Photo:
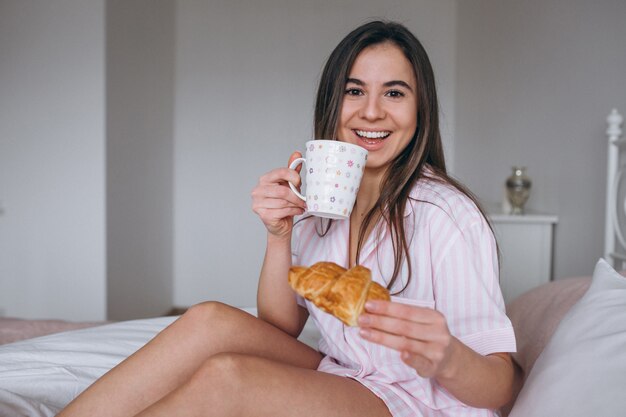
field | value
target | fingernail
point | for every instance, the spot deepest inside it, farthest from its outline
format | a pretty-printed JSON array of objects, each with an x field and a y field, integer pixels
[
  {"x": 364, "y": 319},
  {"x": 370, "y": 306},
  {"x": 365, "y": 333}
]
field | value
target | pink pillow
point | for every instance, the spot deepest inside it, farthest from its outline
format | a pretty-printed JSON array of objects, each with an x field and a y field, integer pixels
[
  {"x": 536, "y": 314},
  {"x": 13, "y": 329}
]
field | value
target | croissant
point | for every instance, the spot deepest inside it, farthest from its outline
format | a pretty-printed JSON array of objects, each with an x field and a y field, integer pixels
[{"x": 335, "y": 290}]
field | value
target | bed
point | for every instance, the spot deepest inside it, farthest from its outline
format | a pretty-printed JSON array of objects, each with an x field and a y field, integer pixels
[{"x": 571, "y": 337}]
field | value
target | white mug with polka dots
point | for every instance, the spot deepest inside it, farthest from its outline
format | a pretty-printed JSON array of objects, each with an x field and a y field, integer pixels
[{"x": 333, "y": 172}]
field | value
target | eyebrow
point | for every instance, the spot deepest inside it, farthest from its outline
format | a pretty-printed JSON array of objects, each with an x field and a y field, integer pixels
[{"x": 391, "y": 83}]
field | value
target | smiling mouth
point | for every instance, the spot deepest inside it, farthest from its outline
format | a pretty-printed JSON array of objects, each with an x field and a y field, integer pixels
[{"x": 372, "y": 135}]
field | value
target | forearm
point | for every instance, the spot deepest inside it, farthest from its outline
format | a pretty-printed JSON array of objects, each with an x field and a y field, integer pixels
[
  {"x": 477, "y": 380},
  {"x": 276, "y": 300}
]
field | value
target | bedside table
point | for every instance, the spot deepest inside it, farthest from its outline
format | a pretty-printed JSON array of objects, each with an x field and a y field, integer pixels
[{"x": 525, "y": 243}]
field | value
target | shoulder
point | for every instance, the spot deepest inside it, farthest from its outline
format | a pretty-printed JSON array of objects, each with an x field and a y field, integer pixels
[{"x": 434, "y": 199}]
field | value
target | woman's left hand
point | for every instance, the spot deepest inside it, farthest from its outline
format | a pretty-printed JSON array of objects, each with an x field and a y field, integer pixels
[{"x": 420, "y": 334}]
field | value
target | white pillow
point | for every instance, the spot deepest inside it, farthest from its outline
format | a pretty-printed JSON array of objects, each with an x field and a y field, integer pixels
[{"x": 582, "y": 370}]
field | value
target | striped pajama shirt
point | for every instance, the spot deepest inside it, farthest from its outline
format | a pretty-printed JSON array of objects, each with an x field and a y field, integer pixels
[{"x": 455, "y": 271}]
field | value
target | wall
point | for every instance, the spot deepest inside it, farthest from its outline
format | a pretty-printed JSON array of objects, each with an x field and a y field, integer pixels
[
  {"x": 239, "y": 100},
  {"x": 246, "y": 74},
  {"x": 536, "y": 80},
  {"x": 526, "y": 82},
  {"x": 86, "y": 159},
  {"x": 139, "y": 155},
  {"x": 52, "y": 173}
]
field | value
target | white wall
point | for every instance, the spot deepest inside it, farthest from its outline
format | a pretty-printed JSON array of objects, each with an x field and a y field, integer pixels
[
  {"x": 536, "y": 79},
  {"x": 245, "y": 83},
  {"x": 75, "y": 241},
  {"x": 52, "y": 174},
  {"x": 86, "y": 158}
]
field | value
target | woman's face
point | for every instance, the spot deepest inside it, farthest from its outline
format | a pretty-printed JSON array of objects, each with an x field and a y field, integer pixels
[{"x": 379, "y": 110}]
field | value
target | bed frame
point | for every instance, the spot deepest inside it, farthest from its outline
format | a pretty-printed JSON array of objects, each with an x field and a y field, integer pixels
[{"x": 615, "y": 219}]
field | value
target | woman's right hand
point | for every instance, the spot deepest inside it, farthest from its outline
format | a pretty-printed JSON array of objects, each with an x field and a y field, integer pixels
[{"x": 274, "y": 202}]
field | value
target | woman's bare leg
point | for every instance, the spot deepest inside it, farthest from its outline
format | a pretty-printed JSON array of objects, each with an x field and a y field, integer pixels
[
  {"x": 250, "y": 386},
  {"x": 176, "y": 353}
]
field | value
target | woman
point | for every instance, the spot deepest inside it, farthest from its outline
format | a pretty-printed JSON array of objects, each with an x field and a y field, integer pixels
[{"x": 438, "y": 348}]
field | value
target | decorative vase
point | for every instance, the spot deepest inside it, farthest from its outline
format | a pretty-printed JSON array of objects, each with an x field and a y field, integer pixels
[{"x": 518, "y": 189}]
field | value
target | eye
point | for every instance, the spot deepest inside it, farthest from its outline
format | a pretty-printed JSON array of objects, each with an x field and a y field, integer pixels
[
  {"x": 395, "y": 93},
  {"x": 354, "y": 91}
]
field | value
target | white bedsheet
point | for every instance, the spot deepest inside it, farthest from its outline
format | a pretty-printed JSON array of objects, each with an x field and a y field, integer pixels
[{"x": 38, "y": 377}]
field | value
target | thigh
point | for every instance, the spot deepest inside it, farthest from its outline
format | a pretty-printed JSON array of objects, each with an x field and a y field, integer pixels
[
  {"x": 282, "y": 390},
  {"x": 232, "y": 384},
  {"x": 175, "y": 354}
]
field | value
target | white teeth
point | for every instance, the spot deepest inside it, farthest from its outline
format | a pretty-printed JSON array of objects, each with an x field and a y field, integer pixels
[{"x": 372, "y": 135}]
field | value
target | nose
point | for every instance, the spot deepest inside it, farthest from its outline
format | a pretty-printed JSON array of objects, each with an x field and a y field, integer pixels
[{"x": 372, "y": 109}]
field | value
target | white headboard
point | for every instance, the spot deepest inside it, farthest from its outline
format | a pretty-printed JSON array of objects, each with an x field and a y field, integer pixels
[{"x": 615, "y": 220}]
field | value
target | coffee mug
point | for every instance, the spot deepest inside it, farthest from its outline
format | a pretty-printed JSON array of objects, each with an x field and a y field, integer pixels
[{"x": 333, "y": 174}]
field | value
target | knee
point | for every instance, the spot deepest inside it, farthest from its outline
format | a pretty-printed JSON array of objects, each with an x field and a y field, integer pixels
[
  {"x": 207, "y": 311},
  {"x": 214, "y": 318}
]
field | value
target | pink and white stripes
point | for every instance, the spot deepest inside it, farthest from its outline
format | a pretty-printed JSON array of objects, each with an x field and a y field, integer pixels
[{"x": 455, "y": 271}]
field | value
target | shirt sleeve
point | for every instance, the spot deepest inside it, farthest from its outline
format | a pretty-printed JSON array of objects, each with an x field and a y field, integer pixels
[{"x": 467, "y": 291}]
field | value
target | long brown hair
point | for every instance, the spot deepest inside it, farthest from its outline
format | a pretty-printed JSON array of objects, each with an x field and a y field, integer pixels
[{"x": 425, "y": 148}]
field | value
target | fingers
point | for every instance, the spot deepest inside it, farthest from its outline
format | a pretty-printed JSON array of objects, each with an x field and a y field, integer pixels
[
  {"x": 275, "y": 219},
  {"x": 275, "y": 196},
  {"x": 419, "y": 323},
  {"x": 280, "y": 176},
  {"x": 273, "y": 185},
  {"x": 272, "y": 205},
  {"x": 274, "y": 201},
  {"x": 405, "y": 311},
  {"x": 293, "y": 157},
  {"x": 394, "y": 341},
  {"x": 400, "y": 333},
  {"x": 420, "y": 334},
  {"x": 397, "y": 326},
  {"x": 424, "y": 357}
]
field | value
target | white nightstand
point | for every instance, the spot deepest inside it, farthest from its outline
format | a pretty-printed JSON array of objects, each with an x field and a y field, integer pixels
[{"x": 525, "y": 243}]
